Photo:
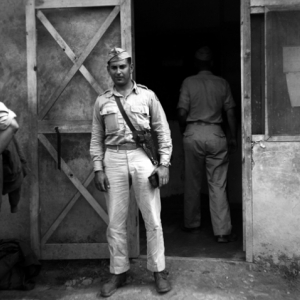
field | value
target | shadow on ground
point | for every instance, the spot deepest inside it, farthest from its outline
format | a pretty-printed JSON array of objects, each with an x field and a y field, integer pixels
[{"x": 182, "y": 244}]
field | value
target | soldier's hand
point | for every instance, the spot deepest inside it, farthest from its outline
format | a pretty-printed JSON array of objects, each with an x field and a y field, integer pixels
[
  {"x": 232, "y": 145},
  {"x": 101, "y": 181},
  {"x": 163, "y": 175}
]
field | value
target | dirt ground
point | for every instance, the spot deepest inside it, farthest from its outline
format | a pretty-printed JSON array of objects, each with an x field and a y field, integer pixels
[{"x": 192, "y": 279}]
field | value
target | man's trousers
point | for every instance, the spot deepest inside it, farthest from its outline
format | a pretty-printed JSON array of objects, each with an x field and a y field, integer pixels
[
  {"x": 205, "y": 149},
  {"x": 123, "y": 169}
]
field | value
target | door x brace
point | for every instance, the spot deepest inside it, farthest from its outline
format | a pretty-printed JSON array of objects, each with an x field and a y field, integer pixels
[{"x": 78, "y": 61}]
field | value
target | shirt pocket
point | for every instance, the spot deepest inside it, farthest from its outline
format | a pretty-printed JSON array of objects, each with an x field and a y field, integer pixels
[
  {"x": 110, "y": 115},
  {"x": 141, "y": 115},
  {"x": 219, "y": 142},
  {"x": 220, "y": 134}
]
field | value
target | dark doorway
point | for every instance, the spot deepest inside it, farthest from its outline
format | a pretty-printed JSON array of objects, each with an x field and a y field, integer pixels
[{"x": 167, "y": 34}]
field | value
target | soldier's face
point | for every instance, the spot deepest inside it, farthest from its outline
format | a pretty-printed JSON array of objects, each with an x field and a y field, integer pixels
[{"x": 120, "y": 72}]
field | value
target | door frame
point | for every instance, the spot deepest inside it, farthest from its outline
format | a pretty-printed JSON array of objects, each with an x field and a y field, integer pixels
[{"x": 246, "y": 130}]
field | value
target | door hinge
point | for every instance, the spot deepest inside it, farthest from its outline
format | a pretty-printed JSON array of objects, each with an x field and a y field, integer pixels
[{"x": 58, "y": 140}]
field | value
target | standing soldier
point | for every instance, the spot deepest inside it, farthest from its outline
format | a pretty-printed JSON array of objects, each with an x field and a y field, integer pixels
[
  {"x": 203, "y": 97},
  {"x": 120, "y": 162}
]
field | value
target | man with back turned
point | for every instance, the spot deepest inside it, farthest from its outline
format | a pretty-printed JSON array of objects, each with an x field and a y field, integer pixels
[{"x": 203, "y": 98}]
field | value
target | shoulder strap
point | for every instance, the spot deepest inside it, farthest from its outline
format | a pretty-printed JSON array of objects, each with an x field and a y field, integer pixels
[{"x": 121, "y": 108}]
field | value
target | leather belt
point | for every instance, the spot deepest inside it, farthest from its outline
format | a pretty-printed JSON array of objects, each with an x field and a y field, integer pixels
[
  {"x": 203, "y": 123},
  {"x": 127, "y": 146}
]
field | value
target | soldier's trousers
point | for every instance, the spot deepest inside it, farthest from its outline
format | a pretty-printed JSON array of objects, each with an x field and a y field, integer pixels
[
  {"x": 123, "y": 167},
  {"x": 205, "y": 149}
]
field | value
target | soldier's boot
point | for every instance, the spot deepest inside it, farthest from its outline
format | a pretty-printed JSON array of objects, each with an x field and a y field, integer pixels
[
  {"x": 161, "y": 282},
  {"x": 110, "y": 287}
]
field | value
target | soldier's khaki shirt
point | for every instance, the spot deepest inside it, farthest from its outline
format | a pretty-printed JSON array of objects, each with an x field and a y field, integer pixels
[
  {"x": 144, "y": 111},
  {"x": 204, "y": 96}
]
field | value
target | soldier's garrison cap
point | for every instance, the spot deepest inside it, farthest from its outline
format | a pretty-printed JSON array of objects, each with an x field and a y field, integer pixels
[{"x": 117, "y": 54}]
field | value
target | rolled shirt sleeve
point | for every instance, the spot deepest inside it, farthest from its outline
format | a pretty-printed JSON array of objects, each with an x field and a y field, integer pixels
[
  {"x": 184, "y": 98},
  {"x": 229, "y": 101},
  {"x": 161, "y": 126},
  {"x": 97, "y": 147},
  {"x": 6, "y": 116}
]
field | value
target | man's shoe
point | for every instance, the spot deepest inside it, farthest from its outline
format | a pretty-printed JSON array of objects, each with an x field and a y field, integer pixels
[
  {"x": 116, "y": 281},
  {"x": 161, "y": 282},
  {"x": 226, "y": 238},
  {"x": 191, "y": 230}
]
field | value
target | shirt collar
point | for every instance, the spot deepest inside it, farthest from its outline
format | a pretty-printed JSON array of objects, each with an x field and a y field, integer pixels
[
  {"x": 206, "y": 72},
  {"x": 113, "y": 91}
]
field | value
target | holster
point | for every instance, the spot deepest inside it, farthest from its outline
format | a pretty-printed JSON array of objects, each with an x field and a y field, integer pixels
[{"x": 145, "y": 140}]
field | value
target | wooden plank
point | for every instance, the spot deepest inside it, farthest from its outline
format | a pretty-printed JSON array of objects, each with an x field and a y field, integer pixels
[
  {"x": 284, "y": 7},
  {"x": 65, "y": 168},
  {"x": 76, "y": 126},
  {"x": 295, "y": 138},
  {"x": 65, "y": 211},
  {"x": 133, "y": 39},
  {"x": 257, "y": 74},
  {"x": 246, "y": 129},
  {"x": 75, "y": 251},
  {"x": 79, "y": 62},
  {"x": 273, "y": 2},
  {"x": 126, "y": 26},
  {"x": 266, "y": 81},
  {"x": 258, "y": 137},
  {"x": 44, "y": 4},
  {"x": 257, "y": 10},
  {"x": 32, "y": 143},
  {"x": 61, "y": 42}
]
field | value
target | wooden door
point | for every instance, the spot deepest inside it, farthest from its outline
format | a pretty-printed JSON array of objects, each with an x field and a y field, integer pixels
[{"x": 67, "y": 46}]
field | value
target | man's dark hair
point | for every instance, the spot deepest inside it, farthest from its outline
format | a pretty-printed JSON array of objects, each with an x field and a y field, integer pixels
[
  {"x": 128, "y": 60},
  {"x": 203, "y": 65}
]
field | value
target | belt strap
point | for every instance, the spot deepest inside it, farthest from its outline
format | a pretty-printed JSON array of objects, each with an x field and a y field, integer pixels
[
  {"x": 203, "y": 123},
  {"x": 128, "y": 146}
]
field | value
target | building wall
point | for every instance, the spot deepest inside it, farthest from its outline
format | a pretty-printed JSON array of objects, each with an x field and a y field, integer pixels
[
  {"x": 276, "y": 208},
  {"x": 13, "y": 92}
]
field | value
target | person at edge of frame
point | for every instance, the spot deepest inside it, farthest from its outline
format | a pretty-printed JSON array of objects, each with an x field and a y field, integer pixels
[
  {"x": 8, "y": 127},
  {"x": 203, "y": 98},
  {"x": 119, "y": 164}
]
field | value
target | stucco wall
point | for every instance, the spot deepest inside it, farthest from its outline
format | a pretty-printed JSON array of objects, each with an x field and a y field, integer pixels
[
  {"x": 276, "y": 206},
  {"x": 13, "y": 92}
]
